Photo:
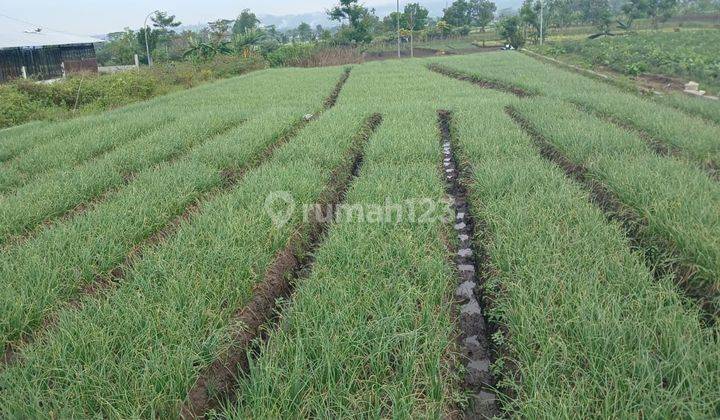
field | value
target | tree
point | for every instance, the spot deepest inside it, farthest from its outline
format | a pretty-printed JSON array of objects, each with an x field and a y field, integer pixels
[
  {"x": 443, "y": 27},
  {"x": 164, "y": 22},
  {"x": 389, "y": 22},
  {"x": 152, "y": 40},
  {"x": 470, "y": 13},
  {"x": 119, "y": 49},
  {"x": 415, "y": 17},
  {"x": 219, "y": 31},
  {"x": 482, "y": 12},
  {"x": 509, "y": 30},
  {"x": 598, "y": 13},
  {"x": 560, "y": 13},
  {"x": 530, "y": 17},
  {"x": 657, "y": 10},
  {"x": 205, "y": 51},
  {"x": 305, "y": 32},
  {"x": 458, "y": 14},
  {"x": 246, "y": 22},
  {"x": 359, "y": 20}
]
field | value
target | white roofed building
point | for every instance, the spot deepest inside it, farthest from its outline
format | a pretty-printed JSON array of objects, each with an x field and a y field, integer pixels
[{"x": 42, "y": 53}]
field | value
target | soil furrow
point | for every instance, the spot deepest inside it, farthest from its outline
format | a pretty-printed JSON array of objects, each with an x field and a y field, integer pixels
[
  {"x": 95, "y": 156},
  {"x": 217, "y": 382},
  {"x": 474, "y": 338},
  {"x": 230, "y": 177},
  {"x": 485, "y": 84},
  {"x": 82, "y": 208},
  {"x": 659, "y": 147},
  {"x": 659, "y": 254}
]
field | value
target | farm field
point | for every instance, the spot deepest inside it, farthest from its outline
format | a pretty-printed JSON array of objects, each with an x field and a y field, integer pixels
[
  {"x": 688, "y": 54},
  {"x": 464, "y": 236}
]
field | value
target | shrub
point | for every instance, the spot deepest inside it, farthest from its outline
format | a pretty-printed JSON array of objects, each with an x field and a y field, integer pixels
[
  {"x": 290, "y": 54},
  {"x": 15, "y": 107},
  {"x": 25, "y": 100}
]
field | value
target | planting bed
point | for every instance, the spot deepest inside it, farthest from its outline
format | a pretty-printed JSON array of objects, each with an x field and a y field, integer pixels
[{"x": 441, "y": 237}]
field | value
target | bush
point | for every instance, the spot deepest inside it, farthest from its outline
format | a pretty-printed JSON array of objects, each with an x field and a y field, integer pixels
[
  {"x": 15, "y": 107},
  {"x": 25, "y": 100},
  {"x": 291, "y": 54}
]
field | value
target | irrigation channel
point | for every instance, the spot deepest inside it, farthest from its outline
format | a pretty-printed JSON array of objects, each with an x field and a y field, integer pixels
[
  {"x": 474, "y": 331},
  {"x": 293, "y": 263}
]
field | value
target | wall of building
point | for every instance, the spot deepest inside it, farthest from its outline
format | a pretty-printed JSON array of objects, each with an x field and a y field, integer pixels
[{"x": 44, "y": 63}]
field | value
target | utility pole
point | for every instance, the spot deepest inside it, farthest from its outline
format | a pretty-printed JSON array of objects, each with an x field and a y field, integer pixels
[
  {"x": 398, "y": 25},
  {"x": 147, "y": 45},
  {"x": 541, "y": 22},
  {"x": 411, "y": 24}
]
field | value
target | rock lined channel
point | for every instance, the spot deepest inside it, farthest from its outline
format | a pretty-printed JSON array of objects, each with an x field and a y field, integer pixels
[{"x": 474, "y": 333}]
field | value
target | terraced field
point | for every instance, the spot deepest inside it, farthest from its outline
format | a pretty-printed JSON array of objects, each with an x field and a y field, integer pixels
[{"x": 470, "y": 236}]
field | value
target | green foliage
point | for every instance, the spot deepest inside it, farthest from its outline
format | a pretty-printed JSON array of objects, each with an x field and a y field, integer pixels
[
  {"x": 290, "y": 54},
  {"x": 16, "y": 107},
  {"x": 24, "y": 100},
  {"x": 415, "y": 16},
  {"x": 360, "y": 21},
  {"x": 305, "y": 32},
  {"x": 657, "y": 10},
  {"x": 246, "y": 22},
  {"x": 694, "y": 55},
  {"x": 469, "y": 13},
  {"x": 120, "y": 48},
  {"x": 509, "y": 29}
]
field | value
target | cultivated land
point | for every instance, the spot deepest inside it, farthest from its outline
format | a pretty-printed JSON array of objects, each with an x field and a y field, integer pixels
[{"x": 509, "y": 238}]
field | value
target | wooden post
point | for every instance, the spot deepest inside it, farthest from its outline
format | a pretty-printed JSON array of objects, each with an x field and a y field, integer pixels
[
  {"x": 62, "y": 67},
  {"x": 24, "y": 72},
  {"x": 137, "y": 61}
]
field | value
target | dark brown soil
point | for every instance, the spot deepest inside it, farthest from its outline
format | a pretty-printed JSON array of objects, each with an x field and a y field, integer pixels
[
  {"x": 332, "y": 99},
  {"x": 660, "y": 82},
  {"x": 485, "y": 84},
  {"x": 472, "y": 270},
  {"x": 660, "y": 255},
  {"x": 389, "y": 55},
  {"x": 218, "y": 381}
]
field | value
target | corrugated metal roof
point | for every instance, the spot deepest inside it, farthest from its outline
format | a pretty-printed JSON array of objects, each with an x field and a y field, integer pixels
[{"x": 14, "y": 34}]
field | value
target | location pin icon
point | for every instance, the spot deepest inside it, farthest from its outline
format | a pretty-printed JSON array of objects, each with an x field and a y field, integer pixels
[{"x": 280, "y": 206}]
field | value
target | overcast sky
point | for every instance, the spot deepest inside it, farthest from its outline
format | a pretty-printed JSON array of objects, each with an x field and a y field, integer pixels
[{"x": 102, "y": 16}]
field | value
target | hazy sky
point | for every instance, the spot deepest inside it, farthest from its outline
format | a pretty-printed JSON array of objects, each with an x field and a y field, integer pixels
[{"x": 102, "y": 16}]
